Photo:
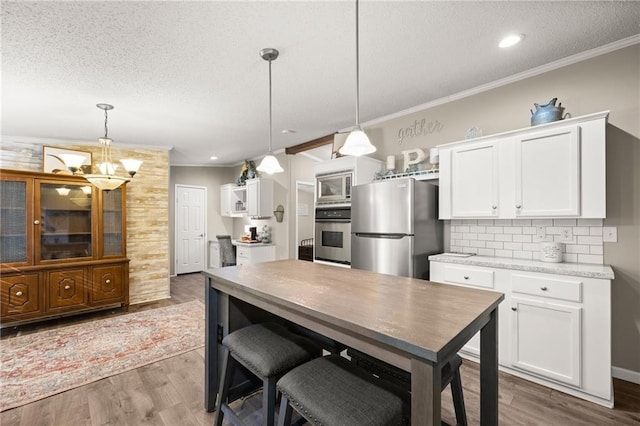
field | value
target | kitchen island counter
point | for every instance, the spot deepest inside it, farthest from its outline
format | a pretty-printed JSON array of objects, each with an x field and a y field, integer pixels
[{"x": 413, "y": 324}]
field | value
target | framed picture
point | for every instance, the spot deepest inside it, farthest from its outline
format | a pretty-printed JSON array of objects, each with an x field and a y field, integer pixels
[{"x": 52, "y": 160}]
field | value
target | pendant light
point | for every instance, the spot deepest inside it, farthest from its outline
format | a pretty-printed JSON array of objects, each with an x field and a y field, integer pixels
[
  {"x": 270, "y": 164},
  {"x": 357, "y": 142},
  {"x": 107, "y": 179}
]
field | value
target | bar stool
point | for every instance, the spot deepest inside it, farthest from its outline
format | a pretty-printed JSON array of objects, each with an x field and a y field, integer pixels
[
  {"x": 268, "y": 351},
  {"x": 227, "y": 251},
  {"x": 450, "y": 374},
  {"x": 332, "y": 391}
]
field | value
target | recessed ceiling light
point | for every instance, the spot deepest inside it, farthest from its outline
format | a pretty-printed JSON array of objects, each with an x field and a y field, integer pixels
[
  {"x": 285, "y": 131},
  {"x": 213, "y": 157},
  {"x": 510, "y": 40}
]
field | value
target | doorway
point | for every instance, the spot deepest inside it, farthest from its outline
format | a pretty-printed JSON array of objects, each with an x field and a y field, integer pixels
[
  {"x": 191, "y": 213},
  {"x": 305, "y": 214}
]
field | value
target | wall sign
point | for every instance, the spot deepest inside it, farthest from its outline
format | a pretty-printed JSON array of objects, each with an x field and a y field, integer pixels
[{"x": 419, "y": 128}]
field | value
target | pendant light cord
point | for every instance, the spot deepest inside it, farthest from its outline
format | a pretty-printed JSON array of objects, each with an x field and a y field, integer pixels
[
  {"x": 270, "y": 121},
  {"x": 357, "y": 72}
]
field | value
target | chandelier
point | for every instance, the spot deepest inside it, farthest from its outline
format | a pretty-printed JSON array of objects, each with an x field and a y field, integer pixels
[{"x": 106, "y": 180}]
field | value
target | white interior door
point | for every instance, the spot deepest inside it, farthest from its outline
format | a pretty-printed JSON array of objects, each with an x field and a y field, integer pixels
[{"x": 191, "y": 211}]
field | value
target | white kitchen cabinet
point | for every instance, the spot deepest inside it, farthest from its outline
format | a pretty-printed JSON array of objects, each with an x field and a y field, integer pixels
[
  {"x": 214, "y": 254},
  {"x": 233, "y": 200},
  {"x": 546, "y": 339},
  {"x": 259, "y": 198},
  {"x": 554, "y": 326},
  {"x": 249, "y": 254},
  {"x": 547, "y": 173},
  {"x": 551, "y": 170},
  {"x": 474, "y": 180}
]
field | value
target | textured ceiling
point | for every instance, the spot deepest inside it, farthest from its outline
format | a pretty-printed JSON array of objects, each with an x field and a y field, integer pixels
[{"x": 188, "y": 75}]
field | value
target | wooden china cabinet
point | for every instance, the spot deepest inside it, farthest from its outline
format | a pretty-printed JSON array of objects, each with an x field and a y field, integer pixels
[{"x": 62, "y": 247}]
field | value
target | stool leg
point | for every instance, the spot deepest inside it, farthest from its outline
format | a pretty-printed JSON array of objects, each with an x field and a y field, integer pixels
[
  {"x": 225, "y": 378},
  {"x": 458, "y": 399},
  {"x": 284, "y": 417},
  {"x": 269, "y": 394}
]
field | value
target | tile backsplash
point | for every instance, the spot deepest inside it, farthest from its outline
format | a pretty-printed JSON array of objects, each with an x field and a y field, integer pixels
[{"x": 519, "y": 238}]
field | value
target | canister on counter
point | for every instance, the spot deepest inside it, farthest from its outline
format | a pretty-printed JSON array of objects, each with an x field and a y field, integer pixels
[{"x": 551, "y": 252}]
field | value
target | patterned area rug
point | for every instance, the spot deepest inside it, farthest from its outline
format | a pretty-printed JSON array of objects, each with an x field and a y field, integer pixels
[{"x": 42, "y": 364}]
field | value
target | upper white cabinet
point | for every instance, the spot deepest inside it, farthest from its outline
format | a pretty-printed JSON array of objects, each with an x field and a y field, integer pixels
[
  {"x": 259, "y": 197},
  {"x": 552, "y": 170},
  {"x": 254, "y": 199},
  {"x": 547, "y": 173},
  {"x": 474, "y": 180}
]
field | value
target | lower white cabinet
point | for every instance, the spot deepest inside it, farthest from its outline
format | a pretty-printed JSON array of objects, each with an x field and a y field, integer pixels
[
  {"x": 214, "y": 254},
  {"x": 254, "y": 253},
  {"x": 546, "y": 339},
  {"x": 553, "y": 329}
]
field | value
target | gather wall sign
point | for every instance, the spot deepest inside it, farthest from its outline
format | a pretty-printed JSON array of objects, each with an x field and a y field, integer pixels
[{"x": 419, "y": 128}]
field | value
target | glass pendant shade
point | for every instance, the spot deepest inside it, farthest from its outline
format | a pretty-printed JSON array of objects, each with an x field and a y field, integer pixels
[
  {"x": 270, "y": 165},
  {"x": 131, "y": 165},
  {"x": 106, "y": 182},
  {"x": 73, "y": 161},
  {"x": 357, "y": 144}
]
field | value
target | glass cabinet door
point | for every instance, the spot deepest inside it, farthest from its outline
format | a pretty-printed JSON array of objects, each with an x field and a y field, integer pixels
[
  {"x": 15, "y": 233},
  {"x": 112, "y": 229},
  {"x": 65, "y": 221}
]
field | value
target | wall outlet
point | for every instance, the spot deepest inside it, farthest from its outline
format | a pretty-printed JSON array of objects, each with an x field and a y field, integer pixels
[
  {"x": 609, "y": 234},
  {"x": 541, "y": 233},
  {"x": 566, "y": 234}
]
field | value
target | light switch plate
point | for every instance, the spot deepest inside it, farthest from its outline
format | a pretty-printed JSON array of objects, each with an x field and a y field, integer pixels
[{"x": 609, "y": 234}]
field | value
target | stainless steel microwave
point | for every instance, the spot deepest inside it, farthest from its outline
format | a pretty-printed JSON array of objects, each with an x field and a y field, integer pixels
[{"x": 334, "y": 188}]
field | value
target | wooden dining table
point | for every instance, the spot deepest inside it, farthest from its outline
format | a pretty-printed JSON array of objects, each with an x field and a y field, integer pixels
[{"x": 413, "y": 324}]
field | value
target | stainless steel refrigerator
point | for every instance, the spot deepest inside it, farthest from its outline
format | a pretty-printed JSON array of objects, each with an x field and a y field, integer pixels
[{"x": 395, "y": 227}]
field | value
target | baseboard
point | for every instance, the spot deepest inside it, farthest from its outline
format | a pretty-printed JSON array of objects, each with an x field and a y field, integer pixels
[{"x": 628, "y": 375}]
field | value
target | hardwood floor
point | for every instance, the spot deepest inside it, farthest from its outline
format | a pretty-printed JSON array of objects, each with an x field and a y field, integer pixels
[{"x": 170, "y": 392}]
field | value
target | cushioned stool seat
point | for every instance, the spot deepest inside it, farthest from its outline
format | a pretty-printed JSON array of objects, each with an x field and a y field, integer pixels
[
  {"x": 332, "y": 391},
  {"x": 267, "y": 350},
  {"x": 450, "y": 374}
]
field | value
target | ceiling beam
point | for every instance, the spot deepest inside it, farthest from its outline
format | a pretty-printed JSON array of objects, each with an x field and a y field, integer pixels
[{"x": 325, "y": 140}]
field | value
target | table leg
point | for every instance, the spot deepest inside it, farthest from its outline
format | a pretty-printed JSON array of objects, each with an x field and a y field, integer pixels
[
  {"x": 425, "y": 393},
  {"x": 489, "y": 371},
  {"x": 210, "y": 346}
]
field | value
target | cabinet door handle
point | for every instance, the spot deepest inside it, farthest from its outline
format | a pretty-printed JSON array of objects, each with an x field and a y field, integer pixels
[
  {"x": 67, "y": 287},
  {"x": 544, "y": 288},
  {"x": 36, "y": 222},
  {"x": 518, "y": 206},
  {"x": 494, "y": 207},
  {"x": 466, "y": 277},
  {"x": 514, "y": 309},
  {"x": 18, "y": 293},
  {"x": 108, "y": 281}
]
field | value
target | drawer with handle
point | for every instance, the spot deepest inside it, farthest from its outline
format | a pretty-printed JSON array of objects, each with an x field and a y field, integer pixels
[
  {"x": 469, "y": 276},
  {"x": 551, "y": 287}
]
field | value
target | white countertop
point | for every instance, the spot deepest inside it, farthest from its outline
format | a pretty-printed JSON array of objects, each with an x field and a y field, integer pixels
[
  {"x": 574, "y": 269},
  {"x": 240, "y": 243}
]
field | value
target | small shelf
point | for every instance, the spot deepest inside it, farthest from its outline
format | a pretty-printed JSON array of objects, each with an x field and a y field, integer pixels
[{"x": 417, "y": 175}]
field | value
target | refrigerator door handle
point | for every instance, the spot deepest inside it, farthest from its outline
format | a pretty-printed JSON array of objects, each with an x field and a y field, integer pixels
[{"x": 387, "y": 236}]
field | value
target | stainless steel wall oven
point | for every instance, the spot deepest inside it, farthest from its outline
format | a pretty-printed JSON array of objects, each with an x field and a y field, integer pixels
[{"x": 333, "y": 235}]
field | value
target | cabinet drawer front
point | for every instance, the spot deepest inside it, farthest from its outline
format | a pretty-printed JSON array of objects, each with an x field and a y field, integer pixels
[
  {"x": 20, "y": 294},
  {"x": 243, "y": 252},
  {"x": 469, "y": 276},
  {"x": 66, "y": 288},
  {"x": 554, "y": 288},
  {"x": 107, "y": 284}
]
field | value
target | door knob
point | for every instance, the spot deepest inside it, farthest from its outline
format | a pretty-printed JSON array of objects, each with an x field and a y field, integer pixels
[{"x": 36, "y": 222}]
